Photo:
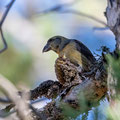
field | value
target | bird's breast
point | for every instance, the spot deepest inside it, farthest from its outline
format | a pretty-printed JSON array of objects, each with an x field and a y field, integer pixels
[{"x": 72, "y": 54}]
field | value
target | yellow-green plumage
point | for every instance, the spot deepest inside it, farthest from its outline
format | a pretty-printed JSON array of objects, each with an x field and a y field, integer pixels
[
  {"x": 72, "y": 49},
  {"x": 74, "y": 55}
]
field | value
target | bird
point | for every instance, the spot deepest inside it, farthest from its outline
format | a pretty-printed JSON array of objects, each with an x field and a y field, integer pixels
[{"x": 72, "y": 49}]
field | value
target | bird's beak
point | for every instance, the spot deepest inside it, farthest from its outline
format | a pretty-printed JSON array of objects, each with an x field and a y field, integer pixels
[{"x": 46, "y": 48}]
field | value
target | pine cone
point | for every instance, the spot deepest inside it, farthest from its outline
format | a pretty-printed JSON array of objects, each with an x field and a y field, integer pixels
[
  {"x": 67, "y": 73},
  {"x": 58, "y": 70}
]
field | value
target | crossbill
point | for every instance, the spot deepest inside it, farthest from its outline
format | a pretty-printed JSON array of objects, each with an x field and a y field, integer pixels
[{"x": 72, "y": 49}]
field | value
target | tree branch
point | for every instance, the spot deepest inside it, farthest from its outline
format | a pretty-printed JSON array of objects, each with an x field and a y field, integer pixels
[
  {"x": 113, "y": 19},
  {"x": 63, "y": 9},
  {"x": 6, "y": 12},
  {"x": 20, "y": 102},
  {"x": 4, "y": 41},
  {"x": 71, "y": 11},
  {"x": 78, "y": 94}
]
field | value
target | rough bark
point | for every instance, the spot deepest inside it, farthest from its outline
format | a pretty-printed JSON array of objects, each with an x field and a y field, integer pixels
[
  {"x": 113, "y": 19},
  {"x": 89, "y": 87}
]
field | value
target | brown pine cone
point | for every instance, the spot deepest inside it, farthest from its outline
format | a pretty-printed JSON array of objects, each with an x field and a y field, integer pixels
[
  {"x": 58, "y": 70},
  {"x": 67, "y": 73}
]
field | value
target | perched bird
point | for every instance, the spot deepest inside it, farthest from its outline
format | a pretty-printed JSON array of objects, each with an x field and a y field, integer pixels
[{"x": 72, "y": 49}]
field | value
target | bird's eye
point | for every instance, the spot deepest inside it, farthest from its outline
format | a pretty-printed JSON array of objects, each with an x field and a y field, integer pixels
[{"x": 50, "y": 40}]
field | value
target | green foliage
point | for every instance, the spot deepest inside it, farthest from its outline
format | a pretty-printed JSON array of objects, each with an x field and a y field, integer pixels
[
  {"x": 15, "y": 63},
  {"x": 113, "y": 111},
  {"x": 69, "y": 111},
  {"x": 115, "y": 65}
]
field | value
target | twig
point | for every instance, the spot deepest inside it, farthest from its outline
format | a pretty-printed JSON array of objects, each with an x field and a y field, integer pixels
[
  {"x": 58, "y": 7},
  {"x": 4, "y": 42},
  {"x": 1, "y": 23},
  {"x": 61, "y": 9},
  {"x": 100, "y": 28},
  {"x": 6, "y": 12},
  {"x": 84, "y": 15},
  {"x": 2, "y": 100}
]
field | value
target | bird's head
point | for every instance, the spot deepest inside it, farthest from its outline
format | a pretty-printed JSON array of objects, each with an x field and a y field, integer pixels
[{"x": 56, "y": 43}]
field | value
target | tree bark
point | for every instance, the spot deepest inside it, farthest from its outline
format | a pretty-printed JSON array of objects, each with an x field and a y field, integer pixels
[
  {"x": 113, "y": 19},
  {"x": 77, "y": 95}
]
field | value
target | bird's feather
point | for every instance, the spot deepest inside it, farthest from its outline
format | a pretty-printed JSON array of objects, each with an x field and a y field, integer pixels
[{"x": 84, "y": 50}]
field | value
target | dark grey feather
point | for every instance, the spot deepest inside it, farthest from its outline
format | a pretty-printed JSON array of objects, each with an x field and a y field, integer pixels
[{"x": 84, "y": 50}]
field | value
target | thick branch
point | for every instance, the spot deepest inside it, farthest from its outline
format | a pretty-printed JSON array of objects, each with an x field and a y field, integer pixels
[
  {"x": 113, "y": 19},
  {"x": 88, "y": 87},
  {"x": 79, "y": 99},
  {"x": 20, "y": 102}
]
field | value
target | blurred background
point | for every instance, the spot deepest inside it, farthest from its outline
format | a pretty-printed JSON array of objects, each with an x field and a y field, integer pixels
[{"x": 27, "y": 31}]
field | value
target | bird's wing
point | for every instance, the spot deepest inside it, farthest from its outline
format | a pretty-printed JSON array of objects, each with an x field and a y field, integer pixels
[{"x": 84, "y": 50}]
